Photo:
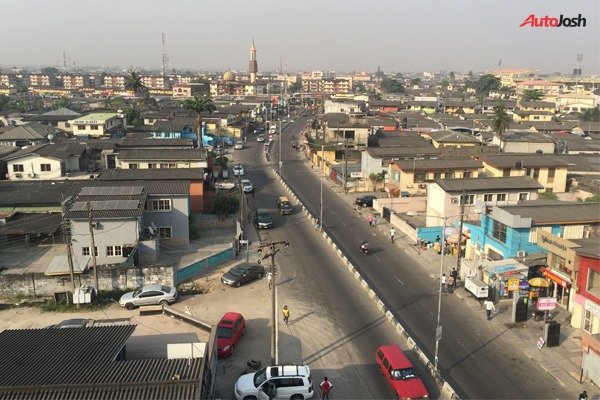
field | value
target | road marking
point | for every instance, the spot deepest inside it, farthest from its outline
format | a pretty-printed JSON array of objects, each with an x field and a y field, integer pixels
[{"x": 398, "y": 279}]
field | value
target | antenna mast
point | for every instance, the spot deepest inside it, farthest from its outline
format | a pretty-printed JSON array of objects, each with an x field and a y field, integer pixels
[{"x": 165, "y": 57}]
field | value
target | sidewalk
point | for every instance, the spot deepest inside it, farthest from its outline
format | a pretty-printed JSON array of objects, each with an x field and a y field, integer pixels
[{"x": 562, "y": 362}]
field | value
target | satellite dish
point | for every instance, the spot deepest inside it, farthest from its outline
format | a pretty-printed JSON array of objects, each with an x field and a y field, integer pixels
[
  {"x": 151, "y": 230},
  {"x": 50, "y": 136}
]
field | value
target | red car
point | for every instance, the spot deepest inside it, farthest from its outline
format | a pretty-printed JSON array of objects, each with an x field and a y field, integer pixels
[
  {"x": 230, "y": 330},
  {"x": 399, "y": 372}
]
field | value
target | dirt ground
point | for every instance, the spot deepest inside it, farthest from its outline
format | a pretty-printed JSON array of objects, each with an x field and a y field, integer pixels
[{"x": 251, "y": 300}]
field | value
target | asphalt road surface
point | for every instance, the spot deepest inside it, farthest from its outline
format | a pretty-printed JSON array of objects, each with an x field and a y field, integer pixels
[
  {"x": 338, "y": 326},
  {"x": 475, "y": 358}
]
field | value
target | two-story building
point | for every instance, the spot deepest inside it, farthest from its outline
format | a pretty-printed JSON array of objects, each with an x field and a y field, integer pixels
[
  {"x": 159, "y": 158},
  {"x": 30, "y": 134},
  {"x": 45, "y": 161},
  {"x": 524, "y": 142},
  {"x": 343, "y": 128},
  {"x": 375, "y": 160},
  {"x": 448, "y": 138},
  {"x": 511, "y": 231},
  {"x": 548, "y": 169},
  {"x": 57, "y": 118},
  {"x": 446, "y": 197},
  {"x": 346, "y": 106},
  {"x": 97, "y": 124},
  {"x": 412, "y": 176},
  {"x": 457, "y": 106}
]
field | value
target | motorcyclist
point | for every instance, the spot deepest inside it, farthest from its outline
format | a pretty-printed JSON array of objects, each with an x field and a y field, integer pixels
[{"x": 364, "y": 246}]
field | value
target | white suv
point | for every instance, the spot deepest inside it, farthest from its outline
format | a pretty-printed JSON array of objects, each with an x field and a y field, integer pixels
[{"x": 279, "y": 382}]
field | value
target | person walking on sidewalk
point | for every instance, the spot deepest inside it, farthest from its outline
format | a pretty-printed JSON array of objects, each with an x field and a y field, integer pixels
[
  {"x": 444, "y": 287},
  {"x": 451, "y": 283},
  {"x": 326, "y": 387},
  {"x": 489, "y": 306},
  {"x": 392, "y": 233},
  {"x": 370, "y": 219},
  {"x": 270, "y": 279},
  {"x": 582, "y": 396},
  {"x": 454, "y": 274},
  {"x": 286, "y": 315}
]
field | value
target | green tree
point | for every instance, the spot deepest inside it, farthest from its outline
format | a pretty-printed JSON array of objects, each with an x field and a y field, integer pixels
[
  {"x": 223, "y": 204},
  {"x": 452, "y": 75},
  {"x": 117, "y": 103},
  {"x": 50, "y": 71},
  {"x": 415, "y": 81},
  {"x": 148, "y": 102},
  {"x": 60, "y": 103},
  {"x": 198, "y": 105},
  {"x": 133, "y": 82},
  {"x": 485, "y": 83},
  {"x": 532, "y": 94},
  {"x": 4, "y": 102},
  {"x": 594, "y": 199},
  {"x": 500, "y": 120},
  {"x": 547, "y": 196},
  {"x": 359, "y": 87},
  {"x": 134, "y": 117},
  {"x": 444, "y": 83},
  {"x": 392, "y": 86},
  {"x": 376, "y": 179},
  {"x": 591, "y": 115},
  {"x": 296, "y": 86}
]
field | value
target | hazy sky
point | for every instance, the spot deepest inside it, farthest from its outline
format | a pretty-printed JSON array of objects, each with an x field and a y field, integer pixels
[{"x": 397, "y": 35}]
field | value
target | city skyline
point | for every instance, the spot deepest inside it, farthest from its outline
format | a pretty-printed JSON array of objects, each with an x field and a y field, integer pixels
[{"x": 310, "y": 35}]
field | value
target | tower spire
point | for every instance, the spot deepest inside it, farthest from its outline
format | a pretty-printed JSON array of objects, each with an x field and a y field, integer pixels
[{"x": 253, "y": 68}]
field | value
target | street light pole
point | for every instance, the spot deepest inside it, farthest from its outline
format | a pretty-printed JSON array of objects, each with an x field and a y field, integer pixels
[
  {"x": 438, "y": 327},
  {"x": 321, "y": 201}
]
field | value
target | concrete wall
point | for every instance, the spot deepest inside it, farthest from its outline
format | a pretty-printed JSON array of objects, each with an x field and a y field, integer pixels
[
  {"x": 108, "y": 279},
  {"x": 370, "y": 165},
  {"x": 401, "y": 204}
]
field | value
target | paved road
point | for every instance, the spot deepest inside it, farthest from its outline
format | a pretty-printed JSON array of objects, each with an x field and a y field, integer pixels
[
  {"x": 332, "y": 328},
  {"x": 474, "y": 356}
]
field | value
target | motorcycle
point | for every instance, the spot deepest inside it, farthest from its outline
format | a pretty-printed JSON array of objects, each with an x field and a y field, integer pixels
[{"x": 364, "y": 247}]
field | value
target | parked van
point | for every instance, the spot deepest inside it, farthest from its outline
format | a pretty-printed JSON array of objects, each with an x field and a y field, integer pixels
[
  {"x": 399, "y": 373},
  {"x": 284, "y": 206}
]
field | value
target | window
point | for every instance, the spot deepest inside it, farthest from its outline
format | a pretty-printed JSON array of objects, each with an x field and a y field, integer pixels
[
  {"x": 94, "y": 127},
  {"x": 18, "y": 168},
  {"x": 420, "y": 177},
  {"x": 164, "y": 165},
  {"x": 551, "y": 173},
  {"x": 501, "y": 197},
  {"x": 161, "y": 205},
  {"x": 45, "y": 167},
  {"x": 86, "y": 251},
  {"x": 448, "y": 174},
  {"x": 467, "y": 174},
  {"x": 587, "y": 321},
  {"x": 81, "y": 127},
  {"x": 437, "y": 175},
  {"x": 133, "y": 166},
  {"x": 488, "y": 197},
  {"x": 165, "y": 232},
  {"x": 112, "y": 251},
  {"x": 467, "y": 198},
  {"x": 536, "y": 173},
  {"x": 523, "y": 196},
  {"x": 593, "y": 283},
  {"x": 506, "y": 172},
  {"x": 152, "y": 166},
  {"x": 499, "y": 231}
]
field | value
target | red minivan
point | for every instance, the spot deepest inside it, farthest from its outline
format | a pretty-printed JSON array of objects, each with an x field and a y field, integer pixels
[
  {"x": 230, "y": 330},
  {"x": 399, "y": 373}
]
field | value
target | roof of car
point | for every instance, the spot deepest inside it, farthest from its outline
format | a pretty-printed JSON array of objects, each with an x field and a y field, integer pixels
[
  {"x": 283, "y": 198},
  {"x": 397, "y": 359},
  {"x": 229, "y": 318},
  {"x": 289, "y": 370},
  {"x": 153, "y": 286}
]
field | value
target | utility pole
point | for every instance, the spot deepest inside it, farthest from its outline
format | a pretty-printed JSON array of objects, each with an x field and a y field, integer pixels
[
  {"x": 345, "y": 164},
  {"x": 463, "y": 199},
  {"x": 272, "y": 250},
  {"x": 93, "y": 248},
  {"x": 67, "y": 236}
]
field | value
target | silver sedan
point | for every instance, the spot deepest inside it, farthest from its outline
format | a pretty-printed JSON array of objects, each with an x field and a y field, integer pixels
[{"x": 149, "y": 295}]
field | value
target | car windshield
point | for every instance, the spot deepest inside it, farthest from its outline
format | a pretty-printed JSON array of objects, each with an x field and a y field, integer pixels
[
  {"x": 237, "y": 271},
  {"x": 286, "y": 204},
  {"x": 165, "y": 289},
  {"x": 223, "y": 332},
  {"x": 402, "y": 374},
  {"x": 264, "y": 218},
  {"x": 260, "y": 377},
  {"x": 137, "y": 292}
]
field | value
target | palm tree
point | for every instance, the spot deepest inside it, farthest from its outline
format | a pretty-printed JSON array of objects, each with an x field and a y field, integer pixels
[
  {"x": 148, "y": 102},
  {"x": 500, "y": 120},
  {"x": 133, "y": 82},
  {"x": 199, "y": 104}
]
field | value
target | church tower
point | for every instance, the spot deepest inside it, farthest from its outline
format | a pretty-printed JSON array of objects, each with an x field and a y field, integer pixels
[{"x": 253, "y": 63}]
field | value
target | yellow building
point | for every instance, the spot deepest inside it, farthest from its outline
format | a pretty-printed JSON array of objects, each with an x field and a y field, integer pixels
[
  {"x": 549, "y": 170},
  {"x": 448, "y": 138}
]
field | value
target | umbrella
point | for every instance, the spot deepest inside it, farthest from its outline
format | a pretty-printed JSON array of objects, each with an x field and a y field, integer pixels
[{"x": 539, "y": 282}]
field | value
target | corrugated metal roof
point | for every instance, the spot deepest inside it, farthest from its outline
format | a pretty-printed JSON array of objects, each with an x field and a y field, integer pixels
[
  {"x": 482, "y": 184},
  {"x": 543, "y": 212},
  {"x": 60, "y": 266},
  {"x": 151, "y": 174}
]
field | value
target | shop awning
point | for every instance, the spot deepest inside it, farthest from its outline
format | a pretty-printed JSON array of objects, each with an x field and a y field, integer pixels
[{"x": 556, "y": 277}]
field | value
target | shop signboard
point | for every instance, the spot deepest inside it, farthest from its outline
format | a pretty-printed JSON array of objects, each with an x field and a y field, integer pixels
[
  {"x": 546, "y": 303},
  {"x": 513, "y": 284},
  {"x": 592, "y": 307}
]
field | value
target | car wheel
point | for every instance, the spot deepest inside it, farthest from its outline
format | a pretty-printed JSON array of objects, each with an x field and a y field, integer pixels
[
  {"x": 297, "y": 397},
  {"x": 129, "y": 306},
  {"x": 259, "y": 276},
  {"x": 238, "y": 284},
  {"x": 364, "y": 205},
  {"x": 163, "y": 302}
]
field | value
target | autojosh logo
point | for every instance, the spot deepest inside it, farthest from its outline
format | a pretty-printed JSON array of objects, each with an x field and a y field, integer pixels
[{"x": 553, "y": 22}]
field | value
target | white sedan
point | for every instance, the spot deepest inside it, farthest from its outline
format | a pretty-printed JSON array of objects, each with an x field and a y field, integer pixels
[
  {"x": 225, "y": 185},
  {"x": 239, "y": 145},
  {"x": 238, "y": 170}
]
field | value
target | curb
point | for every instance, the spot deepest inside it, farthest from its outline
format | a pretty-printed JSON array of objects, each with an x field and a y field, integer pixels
[{"x": 445, "y": 387}]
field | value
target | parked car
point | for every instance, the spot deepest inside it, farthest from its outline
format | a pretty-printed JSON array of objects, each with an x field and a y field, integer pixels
[
  {"x": 74, "y": 323},
  {"x": 280, "y": 382},
  {"x": 260, "y": 138},
  {"x": 284, "y": 206},
  {"x": 230, "y": 330},
  {"x": 149, "y": 295},
  {"x": 271, "y": 138},
  {"x": 247, "y": 186},
  {"x": 242, "y": 274},
  {"x": 238, "y": 170},
  {"x": 399, "y": 373},
  {"x": 224, "y": 185},
  {"x": 263, "y": 220},
  {"x": 365, "y": 201},
  {"x": 239, "y": 145},
  {"x": 404, "y": 194}
]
